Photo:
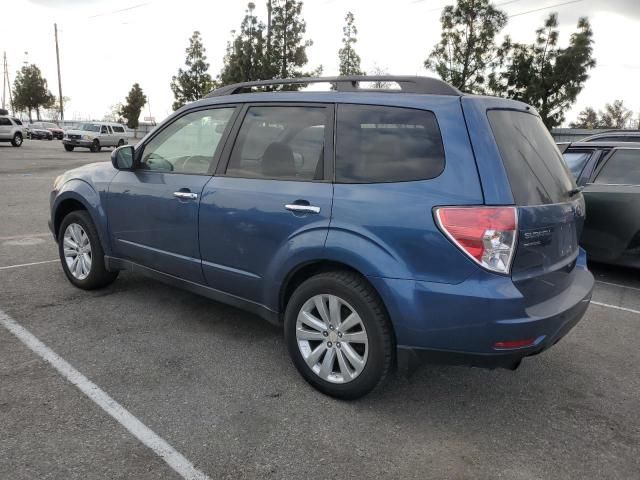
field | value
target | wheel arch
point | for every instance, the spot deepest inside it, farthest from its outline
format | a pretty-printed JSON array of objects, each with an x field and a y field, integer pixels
[{"x": 310, "y": 268}]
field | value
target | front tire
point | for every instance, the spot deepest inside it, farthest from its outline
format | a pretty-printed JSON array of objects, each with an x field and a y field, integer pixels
[
  {"x": 69, "y": 148},
  {"x": 95, "y": 146},
  {"x": 81, "y": 253},
  {"x": 16, "y": 141},
  {"x": 339, "y": 335}
]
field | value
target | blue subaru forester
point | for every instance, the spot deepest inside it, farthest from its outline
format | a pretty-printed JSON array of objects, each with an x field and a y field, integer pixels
[{"x": 377, "y": 227}]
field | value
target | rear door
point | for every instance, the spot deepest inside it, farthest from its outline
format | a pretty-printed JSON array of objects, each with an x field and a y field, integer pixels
[
  {"x": 550, "y": 209},
  {"x": 613, "y": 205},
  {"x": 272, "y": 202}
]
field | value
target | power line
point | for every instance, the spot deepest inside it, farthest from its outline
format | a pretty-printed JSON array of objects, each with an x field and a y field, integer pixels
[
  {"x": 544, "y": 8},
  {"x": 120, "y": 10}
]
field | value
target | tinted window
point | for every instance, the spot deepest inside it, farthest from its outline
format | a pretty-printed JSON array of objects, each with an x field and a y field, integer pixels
[
  {"x": 622, "y": 168},
  {"x": 533, "y": 163},
  {"x": 188, "y": 144},
  {"x": 118, "y": 129},
  {"x": 280, "y": 142},
  {"x": 387, "y": 144},
  {"x": 5, "y": 121},
  {"x": 17, "y": 122},
  {"x": 576, "y": 161}
]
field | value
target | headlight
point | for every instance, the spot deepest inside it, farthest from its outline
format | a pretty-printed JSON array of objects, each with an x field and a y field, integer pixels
[{"x": 87, "y": 137}]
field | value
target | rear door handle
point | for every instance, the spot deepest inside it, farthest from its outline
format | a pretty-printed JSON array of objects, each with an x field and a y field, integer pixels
[
  {"x": 186, "y": 195},
  {"x": 292, "y": 207}
]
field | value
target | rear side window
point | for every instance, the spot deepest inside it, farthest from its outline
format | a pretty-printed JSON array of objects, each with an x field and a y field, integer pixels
[
  {"x": 576, "y": 161},
  {"x": 118, "y": 129},
  {"x": 623, "y": 168},
  {"x": 533, "y": 163},
  {"x": 377, "y": 144},
  {"x": 280, "y": 143},
  {"x": 5, "y": 121}
]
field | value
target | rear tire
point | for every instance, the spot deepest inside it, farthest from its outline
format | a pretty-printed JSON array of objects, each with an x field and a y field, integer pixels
[
  {"x": 81, "y": 253},
  {"x": 16, "y": 141},
  {"x": 120, "y": 143},
  {"x": 69, "y": 148},
  {"x": 345, "y": 375}
]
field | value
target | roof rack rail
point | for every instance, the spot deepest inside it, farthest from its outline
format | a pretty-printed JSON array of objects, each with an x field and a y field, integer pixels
[{"x": 408, "y": 84}]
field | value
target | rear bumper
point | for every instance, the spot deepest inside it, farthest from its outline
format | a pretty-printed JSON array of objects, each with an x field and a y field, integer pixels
[{"x": 460, "y": 324}]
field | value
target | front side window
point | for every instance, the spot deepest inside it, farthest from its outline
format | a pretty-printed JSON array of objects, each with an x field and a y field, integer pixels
[
  {"x": 387, "y": 144},
  {"x": 280, "y": 143},
  {"x": 188, "y": 144},
  {"x": 623, "y": 168},
  {"x": 576, "y": 161}
]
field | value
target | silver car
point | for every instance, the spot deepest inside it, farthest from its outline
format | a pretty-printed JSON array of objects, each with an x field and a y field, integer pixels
[
  {"x": 11, "y": 130},
  {"x": 94, "y": 136}
]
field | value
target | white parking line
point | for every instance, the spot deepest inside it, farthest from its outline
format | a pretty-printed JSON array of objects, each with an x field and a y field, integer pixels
[
  {"x": 616, "y": 307},
  {"x": 28, "y": 264},
  {"x": 148, "y": 437},
  {"x": 618, "y": 285},
  {"x": 18, "y": 237}
]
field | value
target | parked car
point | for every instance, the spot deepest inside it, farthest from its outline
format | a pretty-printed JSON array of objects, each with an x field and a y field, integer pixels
[
  {"x": 610, "y": 175},
  {"x": 614, "y": 136},
  {"x": 377, "y": 228},
  {"x": 55, "y": 130},
  {"x": 38, "y": 132},
  {"x": 11, "y": 130},
  {"x": 94, "y": 136}
]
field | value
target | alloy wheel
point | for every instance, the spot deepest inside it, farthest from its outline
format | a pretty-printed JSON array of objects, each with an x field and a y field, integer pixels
[
  {"x": 77, "y": 251},
  {"x": 332, "y": 338}
]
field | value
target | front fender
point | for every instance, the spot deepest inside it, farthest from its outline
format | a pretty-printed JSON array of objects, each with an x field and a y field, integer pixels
[{"x": 83, "y": 192}]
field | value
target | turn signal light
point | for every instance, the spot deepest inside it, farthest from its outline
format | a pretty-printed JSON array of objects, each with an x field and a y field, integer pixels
[{"x": 485, "y": 234}]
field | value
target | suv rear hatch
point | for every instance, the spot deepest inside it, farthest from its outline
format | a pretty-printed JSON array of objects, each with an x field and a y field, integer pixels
[{"x": 550, "y": 208}]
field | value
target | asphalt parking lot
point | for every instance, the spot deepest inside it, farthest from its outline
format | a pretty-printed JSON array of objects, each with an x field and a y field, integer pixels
[{"x": 216, "y": 383}]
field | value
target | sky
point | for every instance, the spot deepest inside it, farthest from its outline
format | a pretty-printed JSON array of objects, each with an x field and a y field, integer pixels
[{"x": 107, "y": 45}]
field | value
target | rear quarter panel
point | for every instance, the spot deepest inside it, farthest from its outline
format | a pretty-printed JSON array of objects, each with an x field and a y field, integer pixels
[{"x": 388, "y": 229}]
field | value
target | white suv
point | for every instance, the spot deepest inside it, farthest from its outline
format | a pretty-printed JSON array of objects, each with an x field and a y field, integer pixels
[
  {"x": 94, "y": 136},
  {"x": 11, "y": 130}
]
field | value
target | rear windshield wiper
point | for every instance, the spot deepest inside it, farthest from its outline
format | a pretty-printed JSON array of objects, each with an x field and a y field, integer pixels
[{"x": 574, "y": 191}]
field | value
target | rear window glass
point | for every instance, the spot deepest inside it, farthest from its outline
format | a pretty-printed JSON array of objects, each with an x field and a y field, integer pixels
[
  {"x": 623, "y": 168},
  {"x": 576, "y": 161},
  {"x": 533, "y": 163},
  {"x": 387, "y": 144}
]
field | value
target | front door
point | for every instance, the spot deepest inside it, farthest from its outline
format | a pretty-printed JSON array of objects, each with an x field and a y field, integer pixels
[
  {"x": 153, "y": 209},
  {"x": 271, "y": 202}
]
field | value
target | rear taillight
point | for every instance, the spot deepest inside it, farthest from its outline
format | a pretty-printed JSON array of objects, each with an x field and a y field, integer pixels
[{"x": 486, "y": 234}]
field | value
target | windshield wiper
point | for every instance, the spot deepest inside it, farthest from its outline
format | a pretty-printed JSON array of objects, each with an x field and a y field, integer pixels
[{"x": 574, "y": 191}]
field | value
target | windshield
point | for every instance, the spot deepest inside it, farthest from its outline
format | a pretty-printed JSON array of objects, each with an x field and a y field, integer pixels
[
  {"x": 576, "y": 161},
  {"x": 89, "y": 127}
]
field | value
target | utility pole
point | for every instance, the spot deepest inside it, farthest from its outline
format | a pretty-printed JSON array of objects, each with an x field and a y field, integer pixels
[
  {"x": 269, "y": 30},
  {"x": 55, "y": 28},
  {"x": 6, "y": 84}
]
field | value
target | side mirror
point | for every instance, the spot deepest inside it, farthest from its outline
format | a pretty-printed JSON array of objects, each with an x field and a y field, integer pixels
[{"x": 122, "y": 157}]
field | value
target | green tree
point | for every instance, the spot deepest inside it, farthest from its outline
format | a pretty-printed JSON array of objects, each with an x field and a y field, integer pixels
[
  {"x": 30, "y": 91},
  {"x": 54, "y": 109},
  {"x": 587, "y": 118},
  {"x": 287, "y": 52},
  {"x": 349, "y": 59},
  {"x": 543, "y": 74},
  {"x": 615, "y": 115},
  {"x": 245, "y": 57},
  {"x": 194, "y": 82},
  {"x": 467, "y": 44},
  {"x": 133, "y": 106}
]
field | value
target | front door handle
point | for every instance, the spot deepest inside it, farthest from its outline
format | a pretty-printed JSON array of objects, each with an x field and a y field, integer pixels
[
  {"x": 292, "y": 207},
  {"x": 186, "y": 195}
]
